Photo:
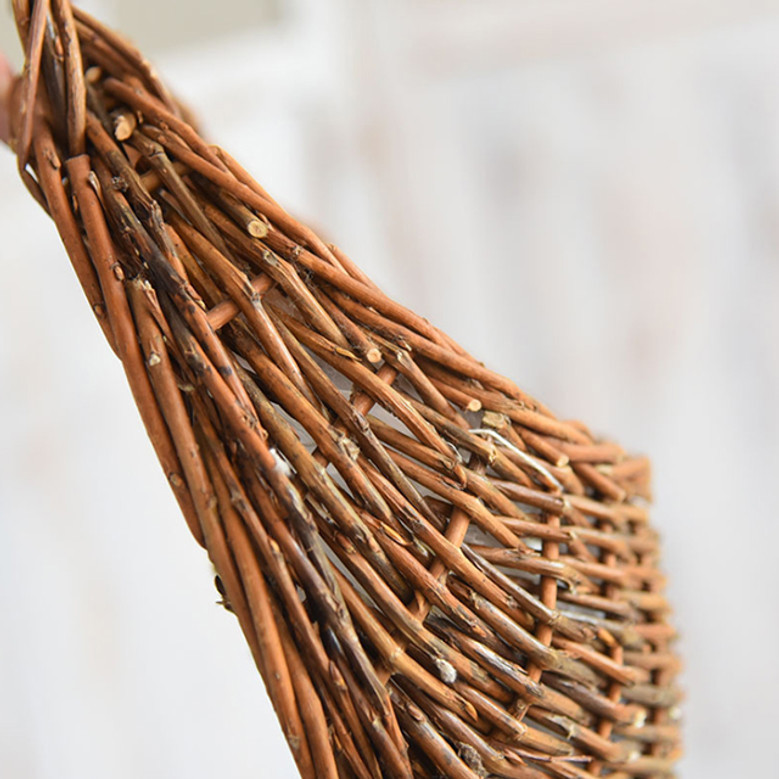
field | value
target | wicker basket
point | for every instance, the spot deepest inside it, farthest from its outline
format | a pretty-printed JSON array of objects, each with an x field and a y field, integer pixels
[{"x": 434, "y": 574}]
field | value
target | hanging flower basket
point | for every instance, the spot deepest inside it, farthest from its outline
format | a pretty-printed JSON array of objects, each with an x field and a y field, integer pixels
[{"x": 435, "y": 575}]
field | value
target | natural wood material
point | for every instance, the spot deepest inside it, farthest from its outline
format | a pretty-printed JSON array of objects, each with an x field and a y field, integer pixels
[{"x": 434, "y": 574}]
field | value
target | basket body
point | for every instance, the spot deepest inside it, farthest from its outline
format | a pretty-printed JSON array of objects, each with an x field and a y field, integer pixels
[{"x": 434, "y": 574}]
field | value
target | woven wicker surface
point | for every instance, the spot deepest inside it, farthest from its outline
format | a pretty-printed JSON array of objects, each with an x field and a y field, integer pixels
[{"x": 434, "y": 574}]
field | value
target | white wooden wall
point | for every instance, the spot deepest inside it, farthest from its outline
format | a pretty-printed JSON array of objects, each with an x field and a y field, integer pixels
[{"x": 597, "y": 182}]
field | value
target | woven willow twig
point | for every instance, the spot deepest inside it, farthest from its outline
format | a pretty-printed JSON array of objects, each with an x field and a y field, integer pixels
[{"x": 434, "y": 574}]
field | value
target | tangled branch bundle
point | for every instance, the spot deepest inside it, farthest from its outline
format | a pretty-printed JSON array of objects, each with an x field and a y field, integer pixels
[{"x": 435, "y": 575}]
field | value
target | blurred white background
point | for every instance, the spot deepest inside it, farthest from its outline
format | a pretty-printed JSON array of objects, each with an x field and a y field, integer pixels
[{"x": 597, "y": 181}]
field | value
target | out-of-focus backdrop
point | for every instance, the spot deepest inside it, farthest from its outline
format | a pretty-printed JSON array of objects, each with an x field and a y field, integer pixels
[{"x": 596, "y": 182}]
